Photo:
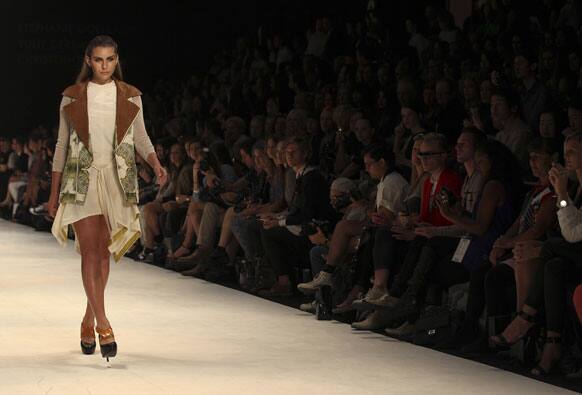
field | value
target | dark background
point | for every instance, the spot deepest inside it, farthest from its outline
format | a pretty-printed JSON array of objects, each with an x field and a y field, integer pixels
[{"x": 42, "y": 43}]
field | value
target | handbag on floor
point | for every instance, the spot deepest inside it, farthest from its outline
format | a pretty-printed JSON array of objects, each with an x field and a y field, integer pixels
[{"x": 435, "y": 325}]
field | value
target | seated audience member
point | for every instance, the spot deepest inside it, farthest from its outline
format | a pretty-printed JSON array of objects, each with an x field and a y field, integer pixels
[
  {"x": 19, "y": 163},
  {"x": 284, "y": 244},
  {"x": 5, "y": 171},
  {"x": 221, "y": 194},
  {"x": 391, "y": 192},
  {"x": 559, "y": 265},
  {"x": 178, "y": 174},
  {"x": 343, "y": 197},
  {"x": 505, "y": 268},
  {"x": 246, "y": 225},
  {"x": 446, "y": 261},
  {"x": 409, "y": 127},
  {"x": 512, "y": 130},
  {"x": 390, "y": 244},
  {"x": 391, "y": 240},
  {"x": 267, "y": 185},
  {"x": 213, "y": 162}
]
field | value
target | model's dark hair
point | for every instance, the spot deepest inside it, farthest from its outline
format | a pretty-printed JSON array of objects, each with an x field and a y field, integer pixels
[
  {"x": 381, "y": 151},
  {"x": 99, "y": 41}
]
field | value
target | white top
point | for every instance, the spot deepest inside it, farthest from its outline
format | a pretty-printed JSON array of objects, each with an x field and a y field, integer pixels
[
  {"x": 570, "y": 219},
  {"x": 101, "y": 101},
  {"x": 391, "y": 192},
  {"x": 102, "y": 95}
]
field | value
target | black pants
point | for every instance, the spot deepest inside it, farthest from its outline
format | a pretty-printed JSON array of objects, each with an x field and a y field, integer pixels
[
  {"x": 4, "y": 177},
  {"x": 561, "y": 265},
  {"x": 420, "y": 272},
  {"x": 365, "y": 261},
  {"x": 491, "y": 286},
  {"x": 385, "y": 251},
  {"x": 411, "y": 256},
  {"x": 285, "y": 250}
]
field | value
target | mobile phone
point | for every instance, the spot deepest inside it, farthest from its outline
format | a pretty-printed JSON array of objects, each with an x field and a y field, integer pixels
[{"x": 447, "y": 197}]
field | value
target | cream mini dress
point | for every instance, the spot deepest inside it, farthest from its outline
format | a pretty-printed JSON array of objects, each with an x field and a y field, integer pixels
[{"x": 105, "y": 195}]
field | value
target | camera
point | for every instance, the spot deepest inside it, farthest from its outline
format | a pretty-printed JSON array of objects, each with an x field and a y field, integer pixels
[
  {"x": 310, "y": 228},
  {"x": 447, "y": 197}
]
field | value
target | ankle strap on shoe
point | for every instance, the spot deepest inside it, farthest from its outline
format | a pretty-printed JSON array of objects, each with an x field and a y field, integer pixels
[
  {"x": 528, "y": 317},
  {"x": 104, "y": 333}
]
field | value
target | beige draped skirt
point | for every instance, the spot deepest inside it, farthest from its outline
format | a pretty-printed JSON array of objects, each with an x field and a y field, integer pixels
[{"x": 104, "y": 196}]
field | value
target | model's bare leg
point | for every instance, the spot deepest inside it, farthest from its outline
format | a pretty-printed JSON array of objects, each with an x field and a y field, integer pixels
[
  {"x": 88, "y": 230},
  {"x": 89, "y": 319}
]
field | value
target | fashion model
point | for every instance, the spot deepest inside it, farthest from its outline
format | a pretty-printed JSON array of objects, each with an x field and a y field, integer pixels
[{"x": 94, "y": 177}]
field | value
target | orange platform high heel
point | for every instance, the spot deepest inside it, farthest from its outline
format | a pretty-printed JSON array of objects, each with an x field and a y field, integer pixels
[
  {"x": 110, "y": 349},
  {"x": 87, "y": 331}
]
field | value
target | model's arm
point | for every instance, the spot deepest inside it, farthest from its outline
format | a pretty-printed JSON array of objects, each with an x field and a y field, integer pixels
[
  {"x": 59, "y": 158},
  {"x": 144, "y": 146}
]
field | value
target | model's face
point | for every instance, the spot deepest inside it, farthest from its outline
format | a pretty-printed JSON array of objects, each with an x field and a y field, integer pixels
[{"x": 103, "y": 62}]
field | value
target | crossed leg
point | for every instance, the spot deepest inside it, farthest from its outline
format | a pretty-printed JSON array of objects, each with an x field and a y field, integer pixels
[{"x": 93, "y": 235}]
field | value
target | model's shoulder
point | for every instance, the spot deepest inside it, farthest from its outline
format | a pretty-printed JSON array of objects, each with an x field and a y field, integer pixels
[
  {"x": 73, "y": 90},
  {"x": 130, "y": 90}
]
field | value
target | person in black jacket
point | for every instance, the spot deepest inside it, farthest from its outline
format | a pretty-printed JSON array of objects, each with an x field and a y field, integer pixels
[{"x": 283, "y": 241}]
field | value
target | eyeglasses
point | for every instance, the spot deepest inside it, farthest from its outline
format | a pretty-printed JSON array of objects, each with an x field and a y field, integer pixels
[{"x": 428, "y": 154}]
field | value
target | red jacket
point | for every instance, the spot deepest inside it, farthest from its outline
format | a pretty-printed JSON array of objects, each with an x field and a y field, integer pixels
[{"x": 430, "y": 212}]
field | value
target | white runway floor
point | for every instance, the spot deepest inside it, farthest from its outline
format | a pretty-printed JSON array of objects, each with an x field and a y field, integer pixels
[{"x": 179, "y": 335}]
